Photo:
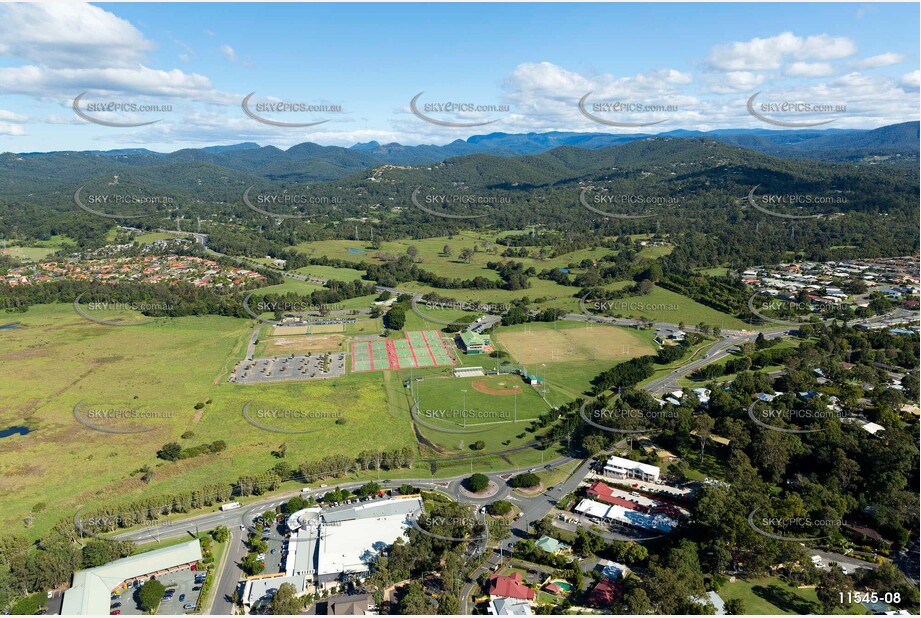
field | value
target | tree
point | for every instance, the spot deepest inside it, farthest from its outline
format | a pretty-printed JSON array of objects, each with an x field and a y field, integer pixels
[
  {"x": 221, "y": 534},
  {"x": 528, "y": 479},
  {"x": 285, "y": 601},
  {"x": 479, "y": 445},
  {"x": 593, "y": 444},
  {"x": 150, "y": 595},
  {"x": 831, "y": 584},
  {"x": 412, "y": 252},
  {"x": 446, "y": 250},
  {"x": 448, "y": 605},
  {"x": 396, "y": 318},
  {"x": 499, "y": 508},
  {"x": 466, "y": 255},
  {"x": 735, "y": 607},
  {"x": 704, "y": 425},
  {"x": 295, "y": 504},
  {"x": 477, "y": 482},
  {"x": 636, "y": 602},
  {"x": 170, "y": 451},
  {"x": 415, "y": 601},
  {"x": 368, "y": 489},
  {"x": 251, "y": 564}
]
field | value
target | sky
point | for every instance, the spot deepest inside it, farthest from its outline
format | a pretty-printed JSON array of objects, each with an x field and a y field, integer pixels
[{"x": 357, "y": 67}]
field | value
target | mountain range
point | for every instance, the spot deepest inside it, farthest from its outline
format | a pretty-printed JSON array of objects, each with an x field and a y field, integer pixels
[{"x": 308, "y": 162}]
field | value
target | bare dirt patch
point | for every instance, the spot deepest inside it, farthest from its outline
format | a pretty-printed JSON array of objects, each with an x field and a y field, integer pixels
[
  {"x": 496, "y": 387},
  {"x": 25, "y": 354},
  {"x": 282, "y": 331},
  {"x": 303, "y": 343}
]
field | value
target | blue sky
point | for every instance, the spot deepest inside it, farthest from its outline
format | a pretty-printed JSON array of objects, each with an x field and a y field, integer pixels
[{"x": 694, "y": 65}]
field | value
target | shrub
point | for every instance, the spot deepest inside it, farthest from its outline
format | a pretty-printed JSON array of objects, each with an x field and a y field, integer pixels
[
  {"x": 528, "y": 479},
  {"x": 477, "y": 482},
  {"x": 499, "y": 508}
]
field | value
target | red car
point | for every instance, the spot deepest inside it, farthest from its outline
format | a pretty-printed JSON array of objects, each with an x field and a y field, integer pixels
[{"x": 115, "y": 612}]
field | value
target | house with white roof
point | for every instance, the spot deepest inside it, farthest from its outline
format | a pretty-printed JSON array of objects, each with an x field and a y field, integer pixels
[{"x": 621, "y": 468}]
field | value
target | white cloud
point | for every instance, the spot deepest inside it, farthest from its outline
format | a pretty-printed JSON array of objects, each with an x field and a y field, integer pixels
[
  {"x": 881, "y": 60},
  {"x": 735, "y": 81},
  {"x": 911, "y": 80},
  {"x": 69, "y": 35},
  {"x": 12, "y": 116},
  {"x": 13, "y": 130},
  {"x": 762, "y": 54},
  {"x": 53, "y": 83},
  {"x": 229, "y": 53},
  {"x": 809, "y": 69},
  {"x": 825, "y": 47}
]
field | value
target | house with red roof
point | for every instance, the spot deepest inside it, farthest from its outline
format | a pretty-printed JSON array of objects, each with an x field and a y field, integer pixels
[
  {"x": 605, "y": 592},
  {"x": 603, "y": 493},
  {"x": 510, "y": 586}
]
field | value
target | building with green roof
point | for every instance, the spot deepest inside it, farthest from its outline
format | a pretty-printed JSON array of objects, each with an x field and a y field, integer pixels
[
  {"x": 552, "y": 545},
  {"x": 474, "y": 343},
  {"x": 92, "y": 588}
]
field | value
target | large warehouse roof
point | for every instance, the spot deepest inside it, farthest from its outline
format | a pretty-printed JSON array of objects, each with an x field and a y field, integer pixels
[{"x": 92, "y": 588}]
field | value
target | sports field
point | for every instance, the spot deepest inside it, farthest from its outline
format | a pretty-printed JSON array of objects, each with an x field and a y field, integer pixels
[
  {"x": 454, "y": 413},
  {"x": 420, "y": 348},
  {"x": 569, "y": 342}
]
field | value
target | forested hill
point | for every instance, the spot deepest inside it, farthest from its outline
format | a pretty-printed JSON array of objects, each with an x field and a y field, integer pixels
[
  {"x": 689, "y": 184},
  {"x": 308, "y": 162}
]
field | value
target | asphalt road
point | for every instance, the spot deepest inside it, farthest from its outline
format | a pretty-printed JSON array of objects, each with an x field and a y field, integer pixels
[{"x": 229, "y": 577}]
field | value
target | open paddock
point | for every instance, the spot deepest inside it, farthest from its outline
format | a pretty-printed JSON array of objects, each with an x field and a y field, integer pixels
[{"x": 541, "y": 342}]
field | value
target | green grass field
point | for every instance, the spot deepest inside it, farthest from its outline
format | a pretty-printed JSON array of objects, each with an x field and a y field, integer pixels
[
  {"x": 770, "y": 595},
  {"x": 568, "y": 355},
  {"x": 56, "y": 360},
  {"x": 666, "y": 306},
  {"x": 331, "y": 272},
  {"x": 494, "y": 409}
]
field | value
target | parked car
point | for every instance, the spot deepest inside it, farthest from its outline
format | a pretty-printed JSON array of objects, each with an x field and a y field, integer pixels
[
  {"x": 116, "y": 612},
  {"x": 188, "y": 606},
  {"x": 196, "y": 588},
  {"x": 116, "y": 604},
  {"x": 181, "y": 598}
]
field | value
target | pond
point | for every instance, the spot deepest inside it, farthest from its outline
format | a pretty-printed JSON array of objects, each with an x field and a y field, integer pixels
[
  {"x": 10, "y": 326},
  {"x": 15, "y": 430}
]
